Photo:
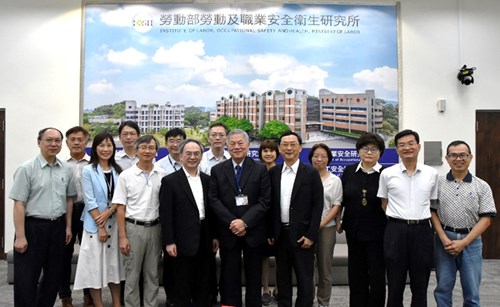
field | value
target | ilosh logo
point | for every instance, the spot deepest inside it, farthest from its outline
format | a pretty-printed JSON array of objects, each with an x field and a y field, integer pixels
[{"x": 142, "y": 23}]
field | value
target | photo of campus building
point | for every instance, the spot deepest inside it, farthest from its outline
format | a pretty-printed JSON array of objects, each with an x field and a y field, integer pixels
[
  {"x": 304, "y": 113},
  {"x": 153, "y": 117}
]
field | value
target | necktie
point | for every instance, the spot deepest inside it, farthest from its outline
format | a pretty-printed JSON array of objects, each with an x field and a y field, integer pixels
[{"x": 238, "y": 175}]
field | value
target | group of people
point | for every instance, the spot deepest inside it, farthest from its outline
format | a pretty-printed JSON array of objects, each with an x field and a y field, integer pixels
[{"x": 129, "y": 210}]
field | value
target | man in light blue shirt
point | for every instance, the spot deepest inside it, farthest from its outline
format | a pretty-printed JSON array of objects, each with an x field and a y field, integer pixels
[{"x": 42, "y": 192}]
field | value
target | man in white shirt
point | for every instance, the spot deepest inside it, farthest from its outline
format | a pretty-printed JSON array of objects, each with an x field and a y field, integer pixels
[
  {"x": 129, "y": 132},
  {"x": 217, "y": 133},
  {"x": 76, "y": 140},
  {"x": 137, "y": 197},
  {"x": 406, "y": 191},
  {"x": 187, "y": 227},
  {"x": 172, "y": 162}
]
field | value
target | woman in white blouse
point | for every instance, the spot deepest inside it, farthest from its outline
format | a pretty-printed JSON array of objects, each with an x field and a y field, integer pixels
[{"x": 320, "y": 157}]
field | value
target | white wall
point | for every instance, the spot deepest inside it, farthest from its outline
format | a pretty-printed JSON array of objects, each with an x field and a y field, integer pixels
[{"x": 40, "y": 70}]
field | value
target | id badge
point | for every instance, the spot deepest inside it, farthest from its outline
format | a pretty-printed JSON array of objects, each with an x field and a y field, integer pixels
[{"x": 241, "y": 200}]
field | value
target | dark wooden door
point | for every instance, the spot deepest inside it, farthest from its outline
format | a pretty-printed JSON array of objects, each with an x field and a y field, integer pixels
[
  {"x": 2, "y": 183},
  {"x": 488, "y": 168}
]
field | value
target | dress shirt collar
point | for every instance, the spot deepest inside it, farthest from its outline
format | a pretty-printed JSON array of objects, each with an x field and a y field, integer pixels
[
  {"x": 85, "y": 158},
  {"x": 210, "y": 155},
  {"x": 375, "y": 168},
  {"x": 189, "y": 175},
  {"x": 44, "y": 162},
  {"x": 294, "y": 167}
]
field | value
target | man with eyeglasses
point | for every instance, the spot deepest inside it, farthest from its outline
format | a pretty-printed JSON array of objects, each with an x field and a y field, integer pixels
[
  {"x": 170, "y": 164},
  {"x": 76, "y": 141},
  {"x": 462, "y": 213},
  {"x": 406, "y": 190},
  {"x": 187, "y": 227},
  {"x": 42, "y": 191},
  {"x": 297, "y": 205},
  {"x": 137, "y": 198},
  {"x": 128, "y": 132},
  {"x": 215, "y": 154}
]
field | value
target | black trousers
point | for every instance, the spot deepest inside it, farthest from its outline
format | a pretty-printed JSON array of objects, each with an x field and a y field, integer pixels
[
  {"x": 230, "y": 281},
  {"x": 301, "y": 260},
  {"x": 191, "y": 275},
  {"x": 366, "y": 271},
  {"x": 77, "y": 231},
  {"x": 408, "y": 249},
  {"x": 46, "y": 245}
]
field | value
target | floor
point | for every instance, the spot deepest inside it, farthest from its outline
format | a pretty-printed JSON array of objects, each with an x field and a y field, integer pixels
[{"x": 490, "y": 290}]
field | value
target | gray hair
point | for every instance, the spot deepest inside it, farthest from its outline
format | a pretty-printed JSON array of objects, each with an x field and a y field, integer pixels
[{"x": 238, "y": 131}]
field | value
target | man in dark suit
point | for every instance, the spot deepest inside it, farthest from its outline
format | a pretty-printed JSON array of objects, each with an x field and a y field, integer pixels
[
  {"x": 297, "y": 204},
  {"x": 240, "y": 195},
  {"x": 186, "y": 227}
]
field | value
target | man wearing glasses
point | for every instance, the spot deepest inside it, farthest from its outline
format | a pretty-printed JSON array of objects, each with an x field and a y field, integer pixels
[
  {"x": 137, "y": 197},
  {"x": 43, "y": 192},
  {"x": 462, "y": 213},
  {"x": 406, "y": 190},
  {"x": 172, "y": 162},
  {"x": 187, "y": 227},
  {"x": 129, "y": 132},
  {"x": 297, "y": 204},
  {"x": 217, "y": 133}
]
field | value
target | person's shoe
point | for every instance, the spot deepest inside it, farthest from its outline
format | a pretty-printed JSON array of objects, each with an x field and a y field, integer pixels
[
  {"x": 266, "y": 298},
  {"x": 67, "y": 302},
  {"x": 88, "y": 301},
  {"x": 275, "y": 292}
]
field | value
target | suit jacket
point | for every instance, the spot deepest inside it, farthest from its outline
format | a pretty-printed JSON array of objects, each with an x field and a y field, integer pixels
[
  {"x": 179, "y": 214},
  {"x": 306, "y": 203},
  {"x": 95, "y": 193},
  {"x": 254, "y": 183}
]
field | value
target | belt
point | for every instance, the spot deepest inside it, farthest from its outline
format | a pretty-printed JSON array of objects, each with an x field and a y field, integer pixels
[
  {"x": 285, "y": 225},
  {"x": 60, "y": 219},
  {"x": 143, "y": 223},
  {"x": 457, "y": 230},
  {"x": 409, "y": 222},
  {"x": 78, "y": 204}
]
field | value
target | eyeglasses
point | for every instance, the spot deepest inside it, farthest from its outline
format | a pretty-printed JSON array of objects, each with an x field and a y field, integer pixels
[
  {"x": 144, "y": 148},
  {"x": 409, "y": 144},
  {"x": 366, "y": 149},
  {"x": 125, "y": 134},
  {"x": 291, "y": 145},
  {"x": 195, "y": 154},
  {"x": 174, "y": 141},
  {"x": 462, "y": 156},
  {"x": 217, "y": 135},
  {"x": 50, "y": 141}
]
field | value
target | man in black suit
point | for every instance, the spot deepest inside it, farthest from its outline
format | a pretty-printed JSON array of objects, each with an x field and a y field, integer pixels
[
  {"x": 186, "y": 227},
  {"x": 239, "y": 196},
  {"x": 297, "y": 203}
]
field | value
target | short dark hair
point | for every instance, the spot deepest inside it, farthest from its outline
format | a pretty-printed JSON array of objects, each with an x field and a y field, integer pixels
[
  {"x": 77, "y": 129},
  {"x": 405, "y": 133},
  {"x": 289, "y": 132},
  {"x": 131, "y": 124},
  {"x": 94, "y": 158},
  {"x": 147, "y": 138},
  {"x": 325, "y": 147},
  {"x": 370, "y": 138},
  {"x": 175, "y": 132},
  {"x": 218, "y": 124},
  {"x": 456, "y": 143},
  {"x": 268, "y": 144},
  {"x": 42, "y": 131}
]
